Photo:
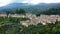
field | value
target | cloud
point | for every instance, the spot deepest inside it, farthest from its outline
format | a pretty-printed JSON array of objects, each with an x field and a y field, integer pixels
[
  {"x": 40, "y": 1},
  {"x": 18, "y": 1},
  {"x": 51, "y": 1},
  {"x": 5, "y": 2}
]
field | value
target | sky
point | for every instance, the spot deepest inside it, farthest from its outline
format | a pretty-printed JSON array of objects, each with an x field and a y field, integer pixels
[{"x": 6, "y": 2}]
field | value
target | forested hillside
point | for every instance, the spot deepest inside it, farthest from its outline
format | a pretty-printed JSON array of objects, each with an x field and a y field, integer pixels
[{"x": 29, "y": 8}]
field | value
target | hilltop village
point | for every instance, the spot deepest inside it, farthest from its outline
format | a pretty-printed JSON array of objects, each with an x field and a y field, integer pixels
[
  {"x": 43, "y": 19},
  {"x": 33, "y": 19}
]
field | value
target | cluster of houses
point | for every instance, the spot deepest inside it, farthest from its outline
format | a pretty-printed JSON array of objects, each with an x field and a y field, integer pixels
[
  {"x": 12, "y": 15},
  {"x": 43, "y": 19}
]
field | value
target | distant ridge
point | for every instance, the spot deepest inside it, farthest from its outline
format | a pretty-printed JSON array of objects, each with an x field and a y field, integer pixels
[{"x": 27, "y": 7}]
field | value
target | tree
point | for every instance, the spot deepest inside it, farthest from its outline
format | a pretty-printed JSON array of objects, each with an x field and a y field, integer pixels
[
  {"x": 52, "y": 11},
  {"x": 7, "y": 12},
  {"x": 20, "y": 11}
]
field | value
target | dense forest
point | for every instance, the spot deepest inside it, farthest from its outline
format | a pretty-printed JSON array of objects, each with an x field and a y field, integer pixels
[{"x": 50, "y": 11}]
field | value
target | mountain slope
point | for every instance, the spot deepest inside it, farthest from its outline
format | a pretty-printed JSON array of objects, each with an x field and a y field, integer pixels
[{"x": 30, "y": 8}]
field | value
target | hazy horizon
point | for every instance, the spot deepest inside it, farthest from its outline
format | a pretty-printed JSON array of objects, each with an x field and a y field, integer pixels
[{"x": 34, "y": 2}]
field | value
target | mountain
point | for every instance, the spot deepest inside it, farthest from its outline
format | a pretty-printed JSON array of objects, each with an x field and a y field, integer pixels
[
  {"x": 44, "y": 6},
  {"x": 14, "y": 5},
  {"x": 30, "y": 8}
]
